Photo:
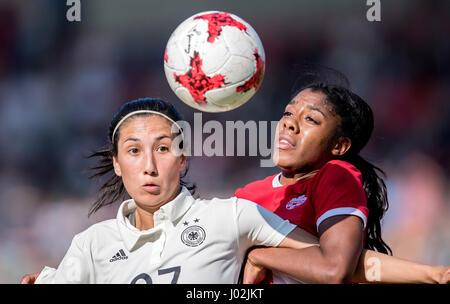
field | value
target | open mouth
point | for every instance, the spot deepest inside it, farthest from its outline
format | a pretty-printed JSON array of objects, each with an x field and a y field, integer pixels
[{"x": 285, "y": 142}]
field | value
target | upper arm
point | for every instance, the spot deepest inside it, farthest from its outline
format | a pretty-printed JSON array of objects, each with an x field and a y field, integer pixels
[
  {"x": 299, "y": 239},
  {"x": 75, "y": 268},
  {"x": 259, "y": 226},
  {"x": 341, "y": 241}
]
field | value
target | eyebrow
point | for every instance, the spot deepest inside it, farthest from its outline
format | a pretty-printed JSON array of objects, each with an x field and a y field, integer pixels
[
  {"x": 131, "y": 139},
  {"x": 314, "y": 108},
  {"x": 311, "y": 107},
  {"x": 156, "y": 139},
  {"x": 162, "y": 137}
]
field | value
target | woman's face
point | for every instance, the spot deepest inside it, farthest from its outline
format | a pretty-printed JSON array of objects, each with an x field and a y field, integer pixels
[
  {"x": 306, "y": 133},
  {"x": 149, "y": 169}
]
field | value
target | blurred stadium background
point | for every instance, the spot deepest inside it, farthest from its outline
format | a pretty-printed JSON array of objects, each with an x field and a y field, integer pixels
[{"x": 61, "y": 82}]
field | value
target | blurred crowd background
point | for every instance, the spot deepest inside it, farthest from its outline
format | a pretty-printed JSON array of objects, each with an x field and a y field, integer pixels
[{"x": 61, "y": 82}]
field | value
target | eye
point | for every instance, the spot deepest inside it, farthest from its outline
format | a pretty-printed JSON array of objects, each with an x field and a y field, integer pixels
[
  {"x": 162, "y": 149},
  {"x": 309, "y": 118},
  {"x": 133, "y": 151},
  {"x": 287, "y": 113}
]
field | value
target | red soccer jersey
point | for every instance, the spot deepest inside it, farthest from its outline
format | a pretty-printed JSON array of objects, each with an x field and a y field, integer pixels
[{"x": 336, "y": 189}]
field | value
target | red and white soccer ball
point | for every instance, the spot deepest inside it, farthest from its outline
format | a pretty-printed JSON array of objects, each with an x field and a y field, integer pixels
[{"x": 214, "y": 61}]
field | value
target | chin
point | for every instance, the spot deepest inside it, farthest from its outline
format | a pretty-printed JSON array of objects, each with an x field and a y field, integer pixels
[
  {"x": 287, "y": 169},
  {"x": 285, "y": 165},
  {"x": 149, "y": 200},
  {"x": 282, "y": 161},
  {"x": 151, "y": 205}
]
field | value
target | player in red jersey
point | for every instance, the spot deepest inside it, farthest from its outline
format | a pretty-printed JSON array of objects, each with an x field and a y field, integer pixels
[
  {"x": 328, "y": 189},
  {"x": 336, "y": 189}
]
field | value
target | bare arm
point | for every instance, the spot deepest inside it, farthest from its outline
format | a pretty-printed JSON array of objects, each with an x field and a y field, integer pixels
[
  {"x": 299, "y": 239},
  {"x": 337, "y": 261},
  {"x": 334, "y": 261},
  {"x": 375, "y": 267}
]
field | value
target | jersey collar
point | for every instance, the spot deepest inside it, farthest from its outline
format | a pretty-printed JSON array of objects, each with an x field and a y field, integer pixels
[
  {"x": 165, "y": 218},
  {"x": 276, "y": 181}
]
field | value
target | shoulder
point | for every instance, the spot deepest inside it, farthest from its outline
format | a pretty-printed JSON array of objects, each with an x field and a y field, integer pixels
[
  {"x": 95, "y": 231},
  {"x": 214, "y": 207},
  {"x": 259, "y": 183},
  {"x": 339, "y": 191},
  {"x": 214, "y": 201},
  {"x": 221, "y": 204},
  {"x": 340, "y": 165},
  {"x": 221, "y": 207},
  {"x": 254, "y": 189},
  {"x": 338, "y": 171}
]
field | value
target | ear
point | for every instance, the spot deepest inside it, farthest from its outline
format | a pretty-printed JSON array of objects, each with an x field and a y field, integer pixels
[
  {"x": 116, "y": 167},
  {"x": 183, "y": 160},
  {"x": 341, "y": 146}
]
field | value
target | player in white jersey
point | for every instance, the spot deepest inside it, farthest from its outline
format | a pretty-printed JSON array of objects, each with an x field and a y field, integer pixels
[
  {"x": 193, "y": 241},
  {"x": 162, "y": 234}
]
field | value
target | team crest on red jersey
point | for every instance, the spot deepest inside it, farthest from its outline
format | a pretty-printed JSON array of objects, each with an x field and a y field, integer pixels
[{"x": 296, "y": 201}]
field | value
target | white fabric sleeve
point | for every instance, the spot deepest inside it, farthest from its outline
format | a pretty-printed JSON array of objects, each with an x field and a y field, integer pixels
[
  {"x": 258, "y": 226},
  {"x": 75, "y": 268},
  {"x": 46, "y": 276}
]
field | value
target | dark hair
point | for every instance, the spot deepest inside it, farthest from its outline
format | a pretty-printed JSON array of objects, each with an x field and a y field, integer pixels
[
  {"x": 357, "y": 123},
  {"x": 113, "y": 189}
]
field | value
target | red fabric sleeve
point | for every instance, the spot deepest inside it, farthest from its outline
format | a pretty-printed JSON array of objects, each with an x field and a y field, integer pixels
[{"x": 339, "y": 191}]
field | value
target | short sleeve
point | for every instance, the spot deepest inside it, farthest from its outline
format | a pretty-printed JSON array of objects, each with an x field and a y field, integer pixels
[
  {"x": 75, "y": 268},
  {"x": 339, "y": 191},
  {"x": 258, "y": 226}
]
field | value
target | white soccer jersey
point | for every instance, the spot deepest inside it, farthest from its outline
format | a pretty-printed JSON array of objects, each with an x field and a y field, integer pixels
[{"x": 193, "y": 241}]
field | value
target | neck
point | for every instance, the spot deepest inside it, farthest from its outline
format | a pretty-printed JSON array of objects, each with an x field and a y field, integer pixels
[
  {"x": 143, "y": 219},
  {"x": 288, "y": 178}
]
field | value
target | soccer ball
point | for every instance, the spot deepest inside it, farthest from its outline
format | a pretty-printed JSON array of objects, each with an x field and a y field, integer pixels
[{"x": 214, "y": 61}]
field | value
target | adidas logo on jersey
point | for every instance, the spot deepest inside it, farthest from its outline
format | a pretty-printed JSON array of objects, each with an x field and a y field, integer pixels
[
  {"x": 295, "y": 202},
  {"x": 119, "y": 256}
]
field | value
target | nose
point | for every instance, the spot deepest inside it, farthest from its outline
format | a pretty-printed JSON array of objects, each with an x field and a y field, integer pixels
[
  {"x": 150, "y": 167},
  {"x": 290, "y": 124}
]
